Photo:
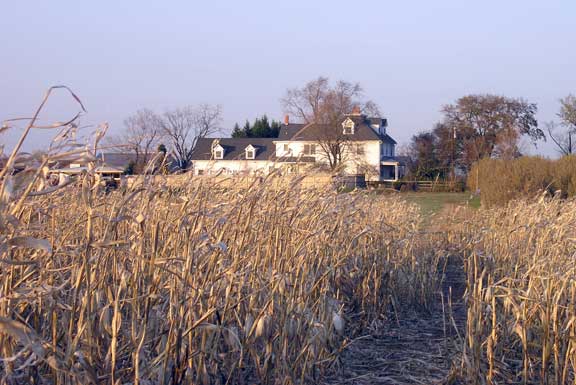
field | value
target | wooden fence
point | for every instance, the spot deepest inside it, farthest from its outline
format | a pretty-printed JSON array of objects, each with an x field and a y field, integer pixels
[{"x": 423, "y": 185}]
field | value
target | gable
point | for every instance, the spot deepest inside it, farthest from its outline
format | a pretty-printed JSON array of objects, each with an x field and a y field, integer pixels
[
  {"x": 315, "y": 132},
  {"x": 348, "y": 126}
]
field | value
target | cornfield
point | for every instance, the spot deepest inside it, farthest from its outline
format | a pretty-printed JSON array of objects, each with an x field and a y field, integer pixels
[
  {"x": 521, "y": 268},
  {"x": 213, "y": 281},
  {"x": 198, "y": 284}
]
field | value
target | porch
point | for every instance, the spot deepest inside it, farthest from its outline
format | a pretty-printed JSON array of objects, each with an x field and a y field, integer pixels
[{"x": 390, "y": 171}]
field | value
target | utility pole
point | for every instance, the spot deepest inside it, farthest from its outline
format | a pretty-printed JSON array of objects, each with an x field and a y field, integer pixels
[{"x": 452, "y": 161}]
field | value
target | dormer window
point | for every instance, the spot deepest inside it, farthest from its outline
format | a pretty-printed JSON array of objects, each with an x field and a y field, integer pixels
[
  {"x": 348, "y": 127},
  {"x": 218, "y": 152},
  {"x": 250, "y": 152}
]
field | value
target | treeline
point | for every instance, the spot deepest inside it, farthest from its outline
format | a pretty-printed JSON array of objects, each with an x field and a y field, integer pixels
[
  {"x": 261, "y": 128},
  {"x": 480, "y": 127},
  {"x": 500, "y": 181}
]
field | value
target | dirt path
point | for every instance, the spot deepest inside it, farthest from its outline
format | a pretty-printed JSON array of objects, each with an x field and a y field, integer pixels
[{"x": 419, "y": 348}]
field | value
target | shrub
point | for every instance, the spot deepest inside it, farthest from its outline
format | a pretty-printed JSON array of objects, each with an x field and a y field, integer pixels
[{"x": 500, "y": 181}]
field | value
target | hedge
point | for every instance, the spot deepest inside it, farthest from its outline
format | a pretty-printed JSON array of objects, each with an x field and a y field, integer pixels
[{"x": 500, "y": 181}]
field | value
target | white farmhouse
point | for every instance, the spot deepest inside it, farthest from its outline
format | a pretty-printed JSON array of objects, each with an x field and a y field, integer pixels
[{"x": 357, "y": 146}]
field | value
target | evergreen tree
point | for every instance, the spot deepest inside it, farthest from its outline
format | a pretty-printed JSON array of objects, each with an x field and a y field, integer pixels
[
  {"x": 262, "y": 128},
  {"x": 247, "y": 129},
  {"x": 237, "y": 132},
  {"x": 275, "y": 129}
]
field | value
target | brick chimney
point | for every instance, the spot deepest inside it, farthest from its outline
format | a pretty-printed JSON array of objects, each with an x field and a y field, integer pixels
[
  {"x": 286, "y": 119},
  {"x": 356, "y": 110}
]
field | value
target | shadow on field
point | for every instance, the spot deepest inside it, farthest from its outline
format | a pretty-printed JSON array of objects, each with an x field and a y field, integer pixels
[
  {"x": 420, "y": 346},
  {"x": 415, "y": 347}
]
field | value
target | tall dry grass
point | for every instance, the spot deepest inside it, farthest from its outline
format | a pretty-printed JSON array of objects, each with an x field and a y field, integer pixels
[
  {"x": 500, "y": 181},
  {"x": 521, "y": 268},
  {"x": 196, "y": 284},
  {"x": 207, "y": 285}
]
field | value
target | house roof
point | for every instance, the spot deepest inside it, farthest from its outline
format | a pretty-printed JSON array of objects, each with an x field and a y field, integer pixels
[
  {"x": 314, "y": 132},
  {"x": 122, "y": 160},
  {"x": 113, "y": 160},
  {"x": 79, "y": 170},
  {"x": 287, "y": 131},
  {"x": 234, "y": 148},
  {"x": 387, "y": 139},
  {"x": 118, "y": 159}
]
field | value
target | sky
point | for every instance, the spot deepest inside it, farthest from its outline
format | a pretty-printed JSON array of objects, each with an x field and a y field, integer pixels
[{"x": 411, "y": 57}]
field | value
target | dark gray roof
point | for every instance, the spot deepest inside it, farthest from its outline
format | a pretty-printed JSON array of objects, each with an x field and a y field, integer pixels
[
  {"x": 118, "y": 159},
  {"x": 122, "y": 160},
  {"x": 313, "y": 132},
  {"x": 234, "y": 148},
  {"x": 404, "y": 160},
  {"x": 289, "y": 130},
  {"x": 387, "y": 139}
]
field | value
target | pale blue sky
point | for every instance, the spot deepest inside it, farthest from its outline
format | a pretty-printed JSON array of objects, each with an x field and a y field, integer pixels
[{"x": 411, "y": 57}]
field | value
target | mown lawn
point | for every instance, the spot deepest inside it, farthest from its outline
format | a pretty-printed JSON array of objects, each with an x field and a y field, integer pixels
[{"x": 432, "y": 202}]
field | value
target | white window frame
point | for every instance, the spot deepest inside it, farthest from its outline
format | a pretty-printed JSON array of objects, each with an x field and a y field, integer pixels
[
  {"x": 250, "y": 152},
  {"x": 311, "y": 149},
  {"x": 286, "y": 148},
  {"x": 218, "y": 153},
  {"x": 348, "y": 127}
]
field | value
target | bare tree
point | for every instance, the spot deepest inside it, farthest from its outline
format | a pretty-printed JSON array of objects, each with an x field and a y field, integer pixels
[
  {"x": 325, "y": 106},
  {"x": 142, "y": 135},
  {"x": 565, "y": 141},
  {"x": 184, "y": 126}
]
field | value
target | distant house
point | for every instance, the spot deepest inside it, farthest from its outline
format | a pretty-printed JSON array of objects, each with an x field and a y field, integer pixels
[
  {"x": 109, "y": 166},
  {"x": 365, "y": 148},
  {"x": 106, "y": 174},
  {"x": 22, "y": 161},
  {"x": 124, "y": 160},
  {"x": 231, "y": 156}
]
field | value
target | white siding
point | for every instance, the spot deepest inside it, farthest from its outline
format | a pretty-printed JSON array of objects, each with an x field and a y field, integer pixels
[
  {"x": 367, "y": 163},
  {"x": 209, "y": 167},
  {"x": 295, "y": 149}
]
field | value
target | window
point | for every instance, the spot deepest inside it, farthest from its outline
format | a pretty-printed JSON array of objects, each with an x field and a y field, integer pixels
[
  {"x": 250, "y": 152},
  {"x": 360, "y": 149},
  {"x": 309, "y": 149},
  {"x": 217, "y": 149},
  {"x": 348, "y": 127},
  {"x": 389, "y": 149},
  {"x": 286, "y": 148},
  {"x": 200, "y": 172}
]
